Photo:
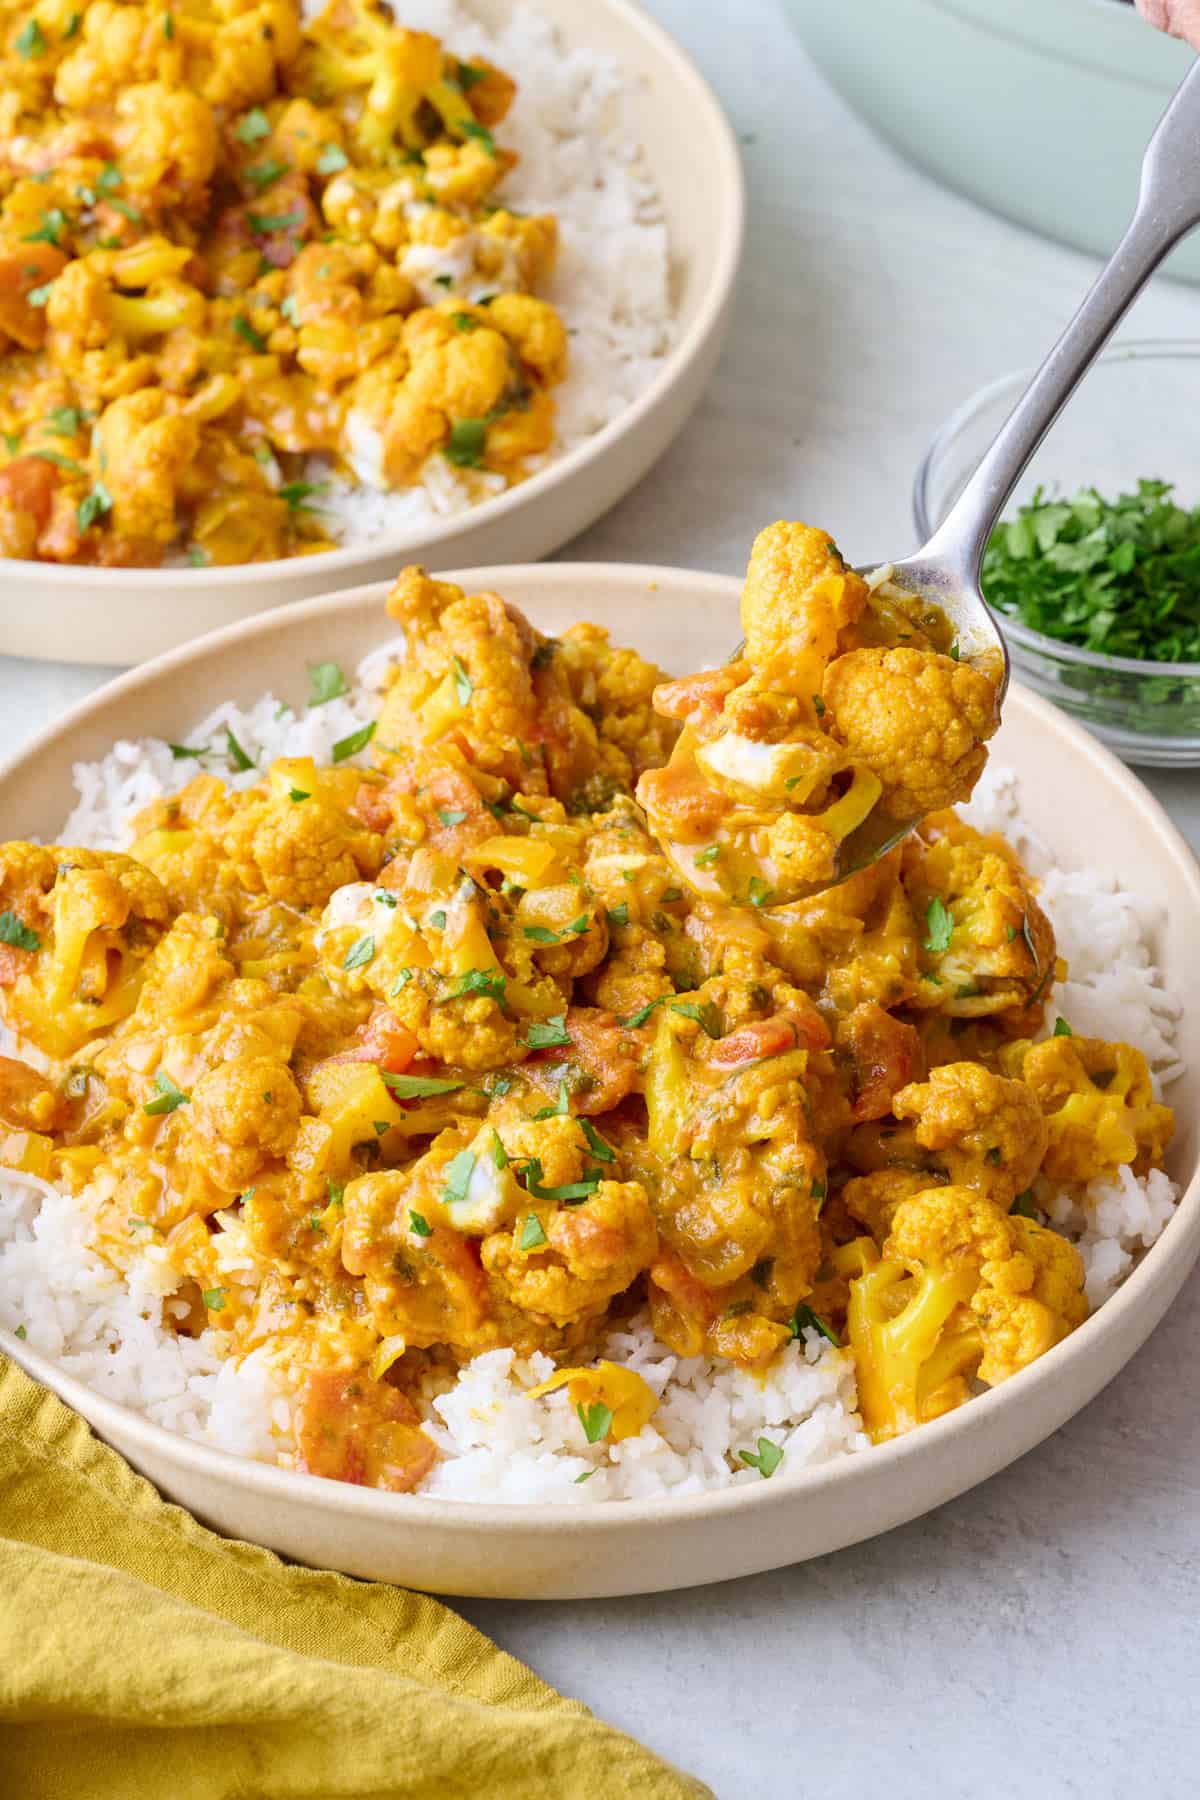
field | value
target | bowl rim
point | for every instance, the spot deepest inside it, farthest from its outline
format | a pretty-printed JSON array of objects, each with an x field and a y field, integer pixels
[
  {"x": 726, "y": 201},
  {"x": 600, "y": 1520},
  {"x": 1127, "y": 351}
]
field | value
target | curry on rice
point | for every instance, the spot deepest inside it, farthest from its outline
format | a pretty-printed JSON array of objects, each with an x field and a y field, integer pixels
[{"x": 463, "y": 1063}]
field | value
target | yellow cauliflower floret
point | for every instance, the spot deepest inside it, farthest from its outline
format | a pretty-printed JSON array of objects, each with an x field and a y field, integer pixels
[
  {"x": 168, "y": 141},
  {"x": 1100, "y": 1109},
  {"x": 240, "y": 57},
  {"x": 462, "y": 174},
  {"x": 916, "y": 719},
  {"x": 872, "y": 1199},
  {"x": 86, "y": 920},
  {"x": 798, "y": 597},
  {"x": 579, "y": 1256},
  {"x": 242, "y": 1113},
  {"x": 535, "y": 331},
  {"x": 962, "y": 1288},
  {"x": 296, "y": 839},
  {"x": 986, "y": 945},
  {"x": 145, "y": 445},
  {"x": 118, "y": 47},
  {"x": 987, "y": 1132}
]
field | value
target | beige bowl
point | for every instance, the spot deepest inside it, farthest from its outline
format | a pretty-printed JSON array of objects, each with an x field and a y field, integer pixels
[
  {"x": 1079, "y": 799},
  {"x": 119, "y": 616}
]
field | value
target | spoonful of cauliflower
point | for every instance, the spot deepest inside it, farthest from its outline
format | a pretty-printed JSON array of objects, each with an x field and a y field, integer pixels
[{"x": 862, "y": 700}]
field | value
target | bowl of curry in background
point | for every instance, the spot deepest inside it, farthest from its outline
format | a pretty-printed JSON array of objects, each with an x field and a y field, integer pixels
[
  {"x": 115, "y": 615},
  {"x": 1089, "y": 810}
]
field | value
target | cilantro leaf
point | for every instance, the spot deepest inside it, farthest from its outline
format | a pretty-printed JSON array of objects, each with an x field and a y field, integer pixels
[
  {"x": 805, "y": 1319},
  {"x": 419, "y": 1224},
  {"x": 417, "y": 1087},
  {"x": 14, "y": 932},
  {"x": 596, "y": 1420},
  {"x": 766, "y": 1461},
  {"x": 548, "y": 1034},
  {"x": 532, "y": 1235},
  {"x": 939, "y": 922},
  {"x": 169, "y": 1096},
  {"x": 357, "y": 740},
  {"x": 459, "y": 1171},
  {"x": 360, "y": 952},
  {"x": 325, "y": 682}
]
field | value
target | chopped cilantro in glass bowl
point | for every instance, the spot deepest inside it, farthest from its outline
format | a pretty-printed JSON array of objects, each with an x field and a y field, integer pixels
[{"x": 1094, "y": 572}]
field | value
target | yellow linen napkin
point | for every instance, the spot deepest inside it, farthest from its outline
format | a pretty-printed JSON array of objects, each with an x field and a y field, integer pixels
[{"x": 141, "y": 1655}]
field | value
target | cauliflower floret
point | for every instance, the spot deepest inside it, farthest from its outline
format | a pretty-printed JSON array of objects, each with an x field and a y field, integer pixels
[
  {"x": 118, "y": 46},
  {"x": 239, "y": 58},
  {"x": 535, "y": 331},
  {"x": 872, "y": 1199},
  {"x": 916, "y": 719},
  {"x": 962, "y": 1288},
  {"x": 296, "y": 839},
  {"x": 242, "y": 1113},
  {"x": 144, "y": 446},
  {"x": 26, "y": 269},
  {"x": 169, "y": 143},
  {"x": 987, "y": 946},
  {"x": 988, "y": 1133},
  {"x": 85, "y": 923},
  {"x": 570, "y": 1260},
  {"x": 798, "y": 597},
  {"x": 1101, "y": 1114}
]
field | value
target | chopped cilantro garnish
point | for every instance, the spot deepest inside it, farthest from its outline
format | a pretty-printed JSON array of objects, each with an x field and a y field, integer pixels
[
  {"x": 54, "y": 223},
  {"x": 325, "y": 682},
  {"x": 253, "y": 126},
  {"x": 38, "y": 296},
  {"x": 59, "y": 462},
  {"x": 419, "y": 1224},
  {"x": 17, "y": 934},
  {"x": 263, "y": 175},
  {"x": 357, "y": 740},
  {"x": 1062, "y": 1029},
  {"x": 94, "y": 505},
  {"x": 602, "y": 1151},
  {"x": 21, "y": 1333},
  {"x": 64, "y": 421},
  {"x": 1023, "y": 1207},
  {"x": 168, "y": 25},
  {"x": 468, "y": 75},
  {"x": 437, "y": 919},
  {"x": 479, "y": 134},
  {"x": 296, "y": 493},
  {"x": 542, "y": 934},
  {"x": 459, "y": 1171},
  {"x": 758, "y": 893},
  {"x": 704, "y": 859},
  {"x": 418, "y": 1087},
  {"x": 1120, "y": 577},
  {"x": 214, "y": 1299},
  {"x": 332, "y": 160},
  {"x": 818, "y": 706},
  {"x": 643, "y": 1012},
  {"x": 110, "y": 177},
  {"x": 595, "y": 1420},
  {"x": 450, "y": 815},
  {"x": 298, "y": 794},
  {"x": 548, "y": 1034},
  {"x": 29, "y": 41},
  {"x": 939, "y": 922},
  {"x": 561, "y": 1107},
  {"x": 125, "y": 209},
  {"x": 235, "y": 753},
  {"x": 499, "y": 1153},
  {"x": 619, "y": 915},
  {"x": 766, "y": 1461},
  {"x": 465, "y": 445},
  {"x": 245, "y": 330},
  {"x": 532, "y": 1235},
  {"x": 805, "y": 1319},
  {"x": 463, "y": 685},
  {"x": 264, "y": 224},
  {"x": 361, "y": 951},
  {"x": 488, "y": 982},
  {"x": 169, "y": 1096},
  {"x": 705, "y": 1014},
  {"x": 182, "y": 752}
]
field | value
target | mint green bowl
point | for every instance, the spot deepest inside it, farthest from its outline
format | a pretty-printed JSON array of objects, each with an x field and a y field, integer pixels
[{"x": 1038, "y": 109}]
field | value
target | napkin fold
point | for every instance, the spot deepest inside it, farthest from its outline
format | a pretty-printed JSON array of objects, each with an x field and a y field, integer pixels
[{"x": 142, "y": 1655}]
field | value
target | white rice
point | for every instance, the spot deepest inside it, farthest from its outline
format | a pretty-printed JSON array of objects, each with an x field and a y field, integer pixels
[
  {"x": 498, "y": 1445},
  {"x": 572, "y": 126}
]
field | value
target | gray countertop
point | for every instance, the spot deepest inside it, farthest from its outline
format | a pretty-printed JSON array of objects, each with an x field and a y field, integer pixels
[{"x": 1041, "y": 1635}]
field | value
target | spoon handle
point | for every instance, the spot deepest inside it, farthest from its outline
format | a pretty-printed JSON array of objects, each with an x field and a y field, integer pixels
[{"x": 1168, "y": 206}]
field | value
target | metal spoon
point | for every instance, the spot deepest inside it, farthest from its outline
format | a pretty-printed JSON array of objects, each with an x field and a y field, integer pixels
[{"x": 947, "y": 569}]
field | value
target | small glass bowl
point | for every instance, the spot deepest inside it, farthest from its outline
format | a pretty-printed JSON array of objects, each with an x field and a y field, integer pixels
[{"x": 1134, "y": 415}]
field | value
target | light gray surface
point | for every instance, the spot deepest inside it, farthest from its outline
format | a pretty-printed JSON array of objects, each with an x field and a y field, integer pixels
[{"x": 1041, "y": 1636}]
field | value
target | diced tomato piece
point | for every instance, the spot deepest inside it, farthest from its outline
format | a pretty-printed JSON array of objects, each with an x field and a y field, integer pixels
[
  {"x": 699, "y": 699},
  {"x": 385, "y": 1041},
  {"x": 30, "y": 483},
  {"x": 350, "y": 1428},
  {"x": 370, "y": 806},
  {"x": 789, "y": 1030},
  {"x": 600, "y": 1052}
]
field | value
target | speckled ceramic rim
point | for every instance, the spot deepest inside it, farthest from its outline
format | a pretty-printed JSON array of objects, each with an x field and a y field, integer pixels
[
  {"x": 715, "y": 217},
  {"x": 959, "y": 1448}
]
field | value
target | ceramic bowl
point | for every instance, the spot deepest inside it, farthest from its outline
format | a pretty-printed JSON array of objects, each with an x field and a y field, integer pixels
[
  {"x": 1079, "y": 799},
  {"x": 119, "y": 616}
]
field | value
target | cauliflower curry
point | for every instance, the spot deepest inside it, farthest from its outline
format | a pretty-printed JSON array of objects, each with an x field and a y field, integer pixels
[
  {"x": 847, "y": 700},
  {"x": 395, "y": 1064},
  {"x": 231, "y": 241}
]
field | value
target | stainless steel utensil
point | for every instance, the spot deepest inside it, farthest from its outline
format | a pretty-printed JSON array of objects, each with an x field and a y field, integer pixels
[{"x": 947, "y": 569}]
